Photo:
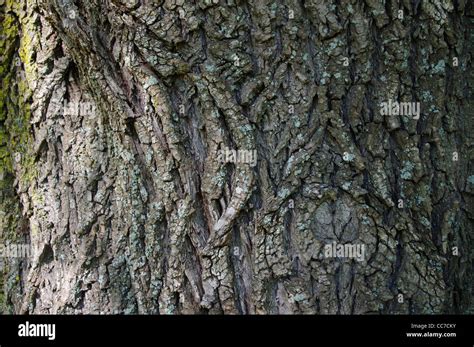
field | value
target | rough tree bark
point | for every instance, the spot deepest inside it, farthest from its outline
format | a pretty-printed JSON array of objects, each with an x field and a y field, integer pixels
[{"x": 128, "y": 208}]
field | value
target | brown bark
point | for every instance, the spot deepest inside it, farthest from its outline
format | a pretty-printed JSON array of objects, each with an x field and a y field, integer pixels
[{"x": 129, "y": 209}]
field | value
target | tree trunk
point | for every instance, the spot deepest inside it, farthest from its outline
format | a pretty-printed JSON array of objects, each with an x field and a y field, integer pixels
[{"x": 118, "y": 122}]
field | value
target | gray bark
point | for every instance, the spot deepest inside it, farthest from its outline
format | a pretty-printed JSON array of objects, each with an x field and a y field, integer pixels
[{"x": 129, "y": 209}]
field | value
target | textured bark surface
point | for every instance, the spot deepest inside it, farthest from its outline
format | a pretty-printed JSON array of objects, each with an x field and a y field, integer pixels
[{"x": 129, "y": 209}]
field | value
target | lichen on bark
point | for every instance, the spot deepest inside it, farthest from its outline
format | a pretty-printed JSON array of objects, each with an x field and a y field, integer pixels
[{"x": 129, "y": 209}]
